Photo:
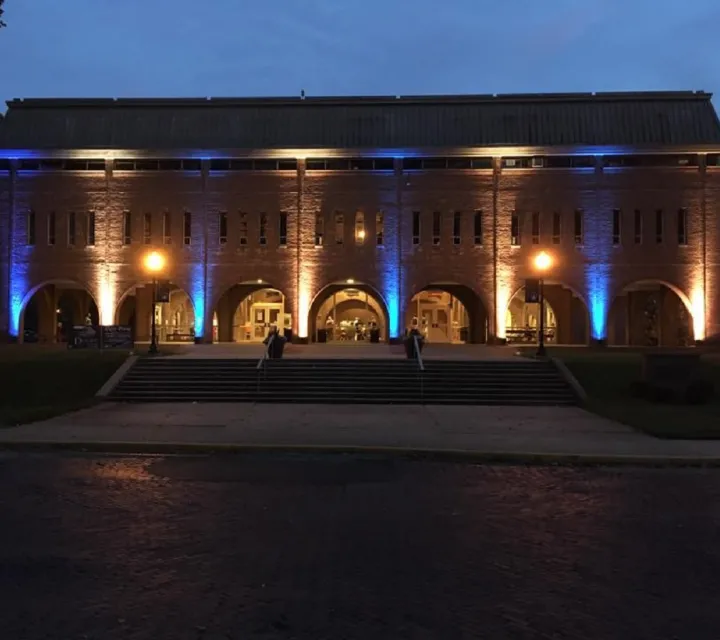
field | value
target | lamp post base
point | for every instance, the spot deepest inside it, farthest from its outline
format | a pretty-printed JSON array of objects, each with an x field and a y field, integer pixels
[
  {"x": 152, "y": 350},
  {"x": 541, "y": 351}
]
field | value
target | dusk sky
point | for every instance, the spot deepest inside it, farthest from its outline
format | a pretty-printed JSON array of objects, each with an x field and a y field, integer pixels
[{"x": 123, "y": 48}]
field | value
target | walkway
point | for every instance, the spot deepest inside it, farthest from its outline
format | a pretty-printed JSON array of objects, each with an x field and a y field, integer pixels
[
  {"x": 519, "y": 430},
  {"x": 361, "y": 350}
]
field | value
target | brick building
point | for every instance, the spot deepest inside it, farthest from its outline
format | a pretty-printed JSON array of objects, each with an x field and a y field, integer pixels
[{"x": 328, "y": 215}]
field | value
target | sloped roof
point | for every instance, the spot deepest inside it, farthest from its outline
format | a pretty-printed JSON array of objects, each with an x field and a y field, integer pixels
[{"x": 601, "y": 119}]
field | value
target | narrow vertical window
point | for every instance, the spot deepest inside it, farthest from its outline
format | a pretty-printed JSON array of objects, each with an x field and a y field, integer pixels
[
  {"x": 319, "y": 229},
  {"x": 515, "y": 229},
  {"x": 91, "y": 229},
  {"x": 359, "y": 227},
  {"x": 339, "y": 228},
  {"x": 71, "y": 228},
  {"x": 243, "y": 228},
  {"x": 127, "y": 228},
  {"x": 616, "y": 227},
  {"x": 579, "y": 228},
  {"x": 147, "y": 228},
  {"x": 536, "y": 227},
  {"x": 263, "y": 229},
  {"x": 437, "y": 223},
  {"x": 556, "y": 228},
  {"x": 283, "y": 229},
  {"x": 51, "y": 229},
  {"x": 658, "y": 226},
  {"x": 637, "y": 227},
  {"x": 167, "y": 227},
  {"x": 478, "y": 227},
  {"x": 30, "y": 230},
  {"x": 187, "y": 228},
  {"x": 416, "y": 227},
  {"x": 457, "y": 221},
  {"x": 682, "y": 227},
  {"x": 379, "y": 229},
  {"x": 222, "y": 227}
]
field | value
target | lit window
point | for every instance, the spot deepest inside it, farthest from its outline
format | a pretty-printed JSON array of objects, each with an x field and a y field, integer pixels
[
  {"x": 379, "y": 229},
  {"x": 359, "y": 228},
  {"x": 339, "y": 228},
  {"x": 515, "y": 230},
  {"x": 579, "y": 228},
  {"x": 222, "y": 227},
  {"x": 319, "y": 229},
  {"x": 535, "y": 227},
  {"x": 187, "y": 228},
  {"x": 263, "y": 228}
]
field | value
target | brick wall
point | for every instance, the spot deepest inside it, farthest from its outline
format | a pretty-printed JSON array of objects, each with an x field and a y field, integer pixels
[{"x": 595, "y": 271}]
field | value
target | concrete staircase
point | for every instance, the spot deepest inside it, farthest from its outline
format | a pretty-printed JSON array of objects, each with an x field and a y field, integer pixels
[{"x": 347, "y": 381}]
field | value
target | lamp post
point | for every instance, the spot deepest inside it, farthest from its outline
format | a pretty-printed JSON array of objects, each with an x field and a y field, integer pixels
[
  {"x": 154, "y": 263},
  {"x": 542, "y": 262}
]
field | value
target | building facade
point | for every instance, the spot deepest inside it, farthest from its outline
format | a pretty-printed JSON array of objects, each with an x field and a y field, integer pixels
[{"x": 331, "y": 216}]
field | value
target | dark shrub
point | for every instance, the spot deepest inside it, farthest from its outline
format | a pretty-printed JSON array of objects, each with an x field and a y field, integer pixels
[
  {"x": 638, "y": 389},
  {"x": 699, "y": 392}
]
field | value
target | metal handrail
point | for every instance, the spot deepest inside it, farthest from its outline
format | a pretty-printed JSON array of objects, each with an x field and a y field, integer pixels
[
  {"x": 421, "y": 366},
  {"x": 262, "y": 363}
]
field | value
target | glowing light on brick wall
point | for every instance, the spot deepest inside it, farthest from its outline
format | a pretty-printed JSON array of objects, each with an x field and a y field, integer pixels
[
  {"x": 597, "y": 281},
  {"x": 197, "y": 295},
  {"x": 303, "y": 307},
  {"x": 390, "y": 291},
  {"x": 697, "y": 308},
  {"x": 18, "y": 291},
  {"x": 106, "y": 299}
]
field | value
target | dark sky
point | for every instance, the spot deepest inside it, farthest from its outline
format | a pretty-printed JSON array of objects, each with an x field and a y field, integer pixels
[{"x": 127, "y": 48}]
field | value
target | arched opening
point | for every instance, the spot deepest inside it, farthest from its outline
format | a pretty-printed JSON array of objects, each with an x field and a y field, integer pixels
[
  {"x": 349, "y": 312},
  {"x": 566, "y": 317},
  {"x": 51, "y": 310},
  {"x": 649, "y": 314},
  {"x": 448, "y": 313},
  {"x": 174, "y": 319},
  {"x": 246, "y": 312}
]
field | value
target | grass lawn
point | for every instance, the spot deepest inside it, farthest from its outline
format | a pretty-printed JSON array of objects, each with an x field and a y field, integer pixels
[
  {"x": 41, "y": 381},
  {"x": 606, "y": 376}
]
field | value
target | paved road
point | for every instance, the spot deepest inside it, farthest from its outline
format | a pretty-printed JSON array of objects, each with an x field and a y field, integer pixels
[{"x": 340, "y": 547}]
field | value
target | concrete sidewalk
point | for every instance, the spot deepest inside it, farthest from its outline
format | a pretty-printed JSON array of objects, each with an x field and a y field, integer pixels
[{"x": 506, "y": 431}]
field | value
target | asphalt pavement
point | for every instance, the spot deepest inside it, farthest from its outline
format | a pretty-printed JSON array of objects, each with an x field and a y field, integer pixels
[{"x": 348, "y": 546}]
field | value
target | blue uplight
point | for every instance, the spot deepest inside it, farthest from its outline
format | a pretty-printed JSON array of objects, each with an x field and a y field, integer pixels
[
  {"x": 390, "y": 283},
  {"x": 18, "y": 290},
  {"x": 197, "y": 292},
  {"x": 598, "y": 285}
]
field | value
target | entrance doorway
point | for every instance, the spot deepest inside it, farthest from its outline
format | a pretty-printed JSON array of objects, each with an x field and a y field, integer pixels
[
  {"x": 439, "y": 316},
  {"x": 258, "y": 313},
  {"x": 348, "y": 315}
]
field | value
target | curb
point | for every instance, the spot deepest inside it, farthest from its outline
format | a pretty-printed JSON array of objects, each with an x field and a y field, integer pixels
[
  {"x": 440, "y": 455},
  {"x": 116, "y": 377}
]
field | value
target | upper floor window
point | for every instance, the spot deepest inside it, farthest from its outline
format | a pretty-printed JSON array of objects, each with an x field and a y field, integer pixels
[
  {"x": 478, "y": 227},
  {"x": 359, "y": 227},
  {"x": 437, "y": 225},
  {"x": 30, "y": 228},
  {"x": 416, "y": 227},
  {"x": 339, "y": 228},
  {"x": 637, "y": 226},
  {"x": 263, "y": 229},
  {"x": 579, "y": 231},
  {"x": 659, "y": 224},
  {"x": 222, "y": 227},
  {"x": 51, "y": 229},
  {"x": 350, "y": 164},
  {"x": 682, "y": 230},
  {"x": 243, "y": 228},
  {"x": 147, "y": 228},
  {"x": 319, "y": 229},
  {"x": 167, "y": 228},
  {"x": 259, "y": 164},
  {"x": 379, "y": 229},
  {"x": 187, "y": 228},
  {"x": 426, "y": 164},
  {"x": 536, "y": 227},
  {"x": 283, "y": 229},
  {"x": 457, "y": 222},
  {"x": 515, "y": 229},
  {"x": 127, "y": 228},
  {"x": 91, "y": 229},
  {"x": 71, "y": 229},
  {"x": 556, "y": 227},
  {"x": 616, "y": 227}
]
